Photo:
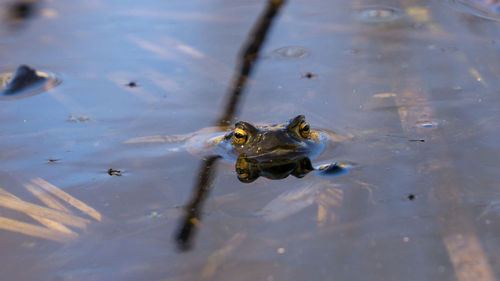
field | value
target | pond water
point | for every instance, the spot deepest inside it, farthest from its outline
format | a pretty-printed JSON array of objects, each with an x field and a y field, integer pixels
[{"x": 96, "y": 170}]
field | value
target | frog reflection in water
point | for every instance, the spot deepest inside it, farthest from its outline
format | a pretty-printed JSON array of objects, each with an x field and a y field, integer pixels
[{"x": 274, "y": 151}]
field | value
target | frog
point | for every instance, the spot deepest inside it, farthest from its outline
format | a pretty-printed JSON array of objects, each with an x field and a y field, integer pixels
[
  {"x": 289, "y": 140},
  {"x": 273, "y": 151}
]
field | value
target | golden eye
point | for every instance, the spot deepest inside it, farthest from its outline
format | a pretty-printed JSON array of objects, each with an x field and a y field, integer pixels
[
  {"x": 239, "y": 136},
  {"x": 304, "y": 129}
]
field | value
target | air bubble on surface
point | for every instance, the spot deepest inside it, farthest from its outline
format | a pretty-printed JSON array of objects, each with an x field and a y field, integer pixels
[{"x": 376, "y": 14}]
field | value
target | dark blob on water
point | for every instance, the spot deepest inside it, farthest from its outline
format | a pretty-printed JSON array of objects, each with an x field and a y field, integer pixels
[
  {"x": 113, "y": 172},
  {"x": 132, "y": 84},
  {"x": 23, "y": 77},
  {"x": 24, "y": 82},
  {"x": 22, "y": 10}
]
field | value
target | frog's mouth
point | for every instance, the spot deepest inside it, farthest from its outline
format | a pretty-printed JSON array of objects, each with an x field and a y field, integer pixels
[{"x": 281, "y": 153}]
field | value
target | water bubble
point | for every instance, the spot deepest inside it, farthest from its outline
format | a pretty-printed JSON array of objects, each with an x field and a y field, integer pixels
[
  {"x": 154, "y": 215},
  {"x": 429, "y": 124},
  {"x": 375, "y": 14},
  {"x": 291, "y": 52}
]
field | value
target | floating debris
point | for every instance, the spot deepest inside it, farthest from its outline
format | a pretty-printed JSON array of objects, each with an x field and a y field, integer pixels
[
  {"x": 52, "y": 160},
  {"x": 132, "y": 84},
  {"x": 74, "y": 118},
  {"x": 113, "y": 172},
  {"x": 309, "y": 75},
  {"x": 25, "y": 82},
  {"x": 411, "y": 197},
  {"x": 334, "y": 170},
  {"x": 384, "y": 95},
  {"x": 291, "y": 52},
  {"x": 154, "y": 215}
]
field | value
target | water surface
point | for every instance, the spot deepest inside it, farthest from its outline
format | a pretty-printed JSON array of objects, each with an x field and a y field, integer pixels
[{"x": 419, "y": 70}]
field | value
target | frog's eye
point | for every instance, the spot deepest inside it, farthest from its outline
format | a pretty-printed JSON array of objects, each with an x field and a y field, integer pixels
[
  {"x": 304, "y": 129},
  {"x": 239, "y": 136}
]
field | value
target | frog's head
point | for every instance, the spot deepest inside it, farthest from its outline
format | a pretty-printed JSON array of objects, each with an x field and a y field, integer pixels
[{"x": 289, "y": 140}]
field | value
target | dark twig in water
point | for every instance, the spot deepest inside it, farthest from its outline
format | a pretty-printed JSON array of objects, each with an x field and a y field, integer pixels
[
  {"x": 192, "y": 215},
  {"x": 248, "y": 57}
]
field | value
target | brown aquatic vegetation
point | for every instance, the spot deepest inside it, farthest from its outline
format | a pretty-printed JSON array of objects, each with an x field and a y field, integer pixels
[{"x": 56, "y": 217}]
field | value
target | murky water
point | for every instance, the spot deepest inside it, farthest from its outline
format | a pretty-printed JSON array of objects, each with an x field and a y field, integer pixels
[{"x": 95, "y": 172}]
